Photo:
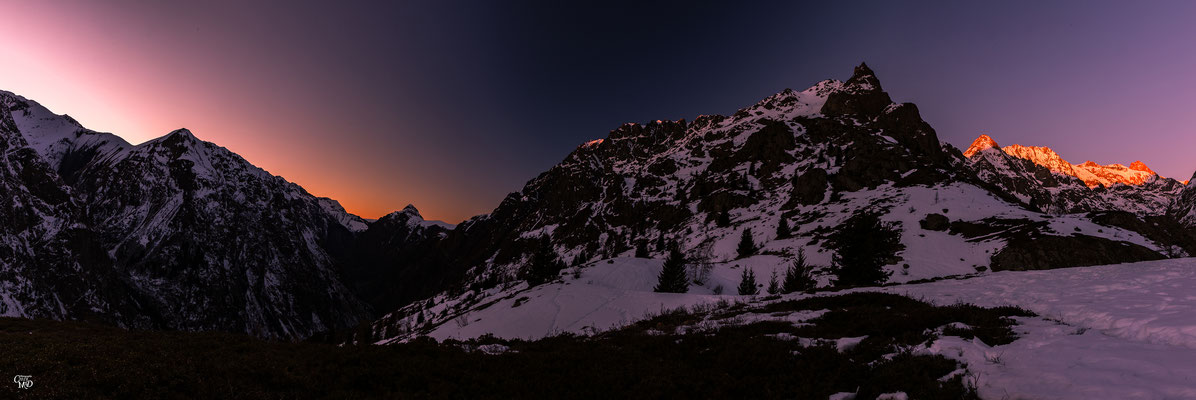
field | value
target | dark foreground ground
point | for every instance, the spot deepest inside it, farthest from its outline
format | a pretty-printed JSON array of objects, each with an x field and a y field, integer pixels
[{"x": 721, "y": 359}]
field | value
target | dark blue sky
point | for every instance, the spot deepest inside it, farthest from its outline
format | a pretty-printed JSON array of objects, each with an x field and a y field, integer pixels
[{"x": 451, "y": 105}]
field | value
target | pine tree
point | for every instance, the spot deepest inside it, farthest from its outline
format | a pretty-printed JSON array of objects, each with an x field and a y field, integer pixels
[
  {"x": 774, "y": 287},
  {"x": 672, "y": 278},
  {"x": 863, "y": 245},
  {"x": 747, "y": 246},
  {"x": 747, "y": 283},
  {"x": 544, "y": 265},
  {"x": 798, "y": 277},
  {"x": 641, "y": 249},
  {"x": 783, "y": 229},
  {"x": 614, "y": 245}
]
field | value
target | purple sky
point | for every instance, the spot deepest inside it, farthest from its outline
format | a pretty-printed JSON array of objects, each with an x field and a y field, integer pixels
[{"x": 451, "y": 105}]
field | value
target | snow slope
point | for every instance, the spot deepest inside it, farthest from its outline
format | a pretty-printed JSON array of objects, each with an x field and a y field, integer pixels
[
  {"x": 604, "y": 295},
  {"x": 1114, "y": 331},
  {"x": 615, "y": 291},
  {"x": 1125, "y": 331}
]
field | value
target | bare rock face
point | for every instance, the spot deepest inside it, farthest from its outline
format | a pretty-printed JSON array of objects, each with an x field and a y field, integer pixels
[
  {"x": 860, "y": 95},
  {"x": 1049, "y": 252},
  {"x": 809, "y": 188},
  {"x": 1184, "y": 207},
  {"x": 935, "y": 222}
]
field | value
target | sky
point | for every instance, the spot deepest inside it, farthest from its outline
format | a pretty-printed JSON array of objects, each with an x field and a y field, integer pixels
[{"x": 451, "y": 105}]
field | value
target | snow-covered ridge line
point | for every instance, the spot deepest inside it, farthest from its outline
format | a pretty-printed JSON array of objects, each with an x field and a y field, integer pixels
[
  {"x": 1091, "y": 173},
  {"x": 178, "y": 233},
  {"x": 54, "y": 136}
]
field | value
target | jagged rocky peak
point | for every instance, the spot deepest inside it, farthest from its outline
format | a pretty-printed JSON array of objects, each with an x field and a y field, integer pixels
[
  {"x": 863, "y": 78},
  {"x": 982, "y": 143},
  {"x": 860, "y": 95},
  {"x": 1140, "y": 166}
]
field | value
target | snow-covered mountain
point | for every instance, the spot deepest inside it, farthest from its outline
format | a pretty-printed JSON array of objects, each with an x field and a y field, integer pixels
[
  {"x": 1041, "y": 179},
  {"x": 181, "y": 233},
  {"x": 173, "y": 233},
  {"x": 51, "y": 265},
  {"x": 813, "y": 159},
  {"x": 1091, "y": 173}
]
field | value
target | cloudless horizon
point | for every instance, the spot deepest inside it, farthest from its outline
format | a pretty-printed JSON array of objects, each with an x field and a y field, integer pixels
[{"x": 451, "y": 105}]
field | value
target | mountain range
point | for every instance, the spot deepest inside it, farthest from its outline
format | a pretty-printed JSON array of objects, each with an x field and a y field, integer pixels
[{"x": 179, "y": 233}]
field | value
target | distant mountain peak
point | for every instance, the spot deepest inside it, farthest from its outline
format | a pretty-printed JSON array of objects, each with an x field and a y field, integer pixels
[
  {"x": 1090, "y": 172},
  {"x": 1136, "y": 174},
  {"x": 982, "y": 143},
  {"x": 410, "y": 217},
  {"x": 408, "y": 213},
  {"x": 1140, "y": 166}
]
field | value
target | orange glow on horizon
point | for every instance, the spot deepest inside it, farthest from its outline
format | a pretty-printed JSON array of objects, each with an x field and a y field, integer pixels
[{"x": 140, "y": 83}]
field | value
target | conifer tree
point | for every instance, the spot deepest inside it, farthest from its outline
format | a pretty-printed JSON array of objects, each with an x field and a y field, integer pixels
[
  {"x": 672, "y": 278},
  {"x": 747, "y": 246},
  {"x": 783, "y": 229},
  {"x": 641, "y": 249},
  {"x": 774, "y": 287},
  {"x": 747, "y": 283},
  {"x": 863, "y": 245},
  {"x": 798, "y": 277},
  {"x": 544, "y": 265}
]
